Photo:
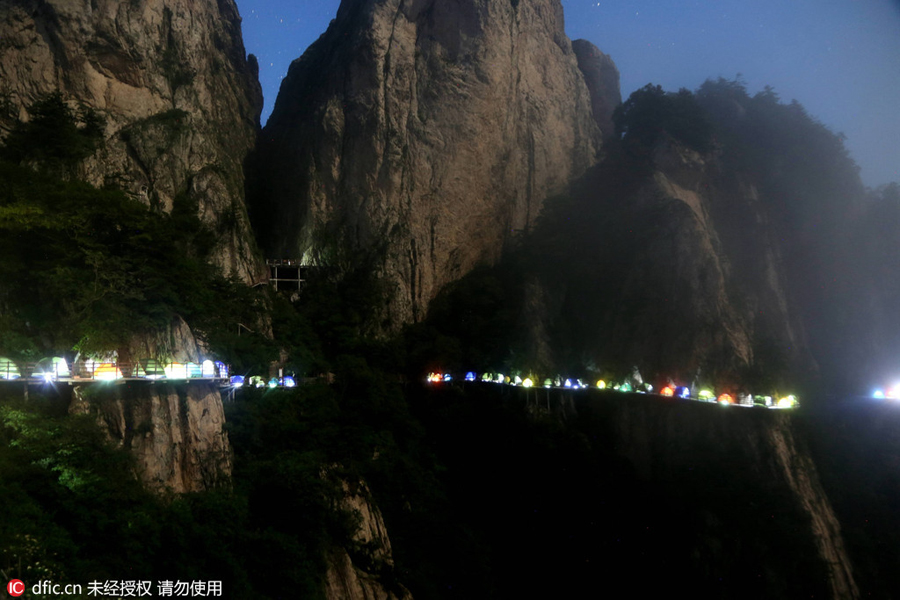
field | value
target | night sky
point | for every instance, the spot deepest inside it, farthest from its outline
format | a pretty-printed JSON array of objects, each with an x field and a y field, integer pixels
[{"x": 840, "y": 59}]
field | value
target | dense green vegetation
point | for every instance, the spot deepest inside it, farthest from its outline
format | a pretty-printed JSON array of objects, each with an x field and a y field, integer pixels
[
  {"x": 651, "y": 112},
  {"x": 87, "y": 269}
]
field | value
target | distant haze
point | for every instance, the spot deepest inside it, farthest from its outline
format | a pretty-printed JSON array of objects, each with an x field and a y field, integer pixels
[{"x": 840, "y": 59}]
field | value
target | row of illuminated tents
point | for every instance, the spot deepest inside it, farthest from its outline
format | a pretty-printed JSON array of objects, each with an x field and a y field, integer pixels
[
  {"x": 58, "y": 369},
  {"x": 703, "y": 395}
]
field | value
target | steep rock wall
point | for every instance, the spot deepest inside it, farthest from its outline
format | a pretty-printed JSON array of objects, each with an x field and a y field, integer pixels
[
  {"x": 347, "y": 580},
  {"x": 426, "y": 132},
  {"x": 180, "y": 99},
  {"x": 602, "y": 79},
  {"x": 175, "y": 432},
  {"x": 689, "y": 445},
  {"x": 670, "y": 264}
]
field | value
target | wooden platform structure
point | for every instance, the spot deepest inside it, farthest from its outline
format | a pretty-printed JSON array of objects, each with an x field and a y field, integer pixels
[{"x": 286, "y": 274}]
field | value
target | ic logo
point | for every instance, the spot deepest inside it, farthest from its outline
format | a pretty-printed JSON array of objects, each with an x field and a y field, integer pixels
[{"x": 15, "y": 587}]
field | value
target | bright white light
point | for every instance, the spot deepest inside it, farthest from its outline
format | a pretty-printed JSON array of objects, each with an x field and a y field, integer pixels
[
  {"x": 176, "y": 371},
  {"x": 208, "y": 369}
]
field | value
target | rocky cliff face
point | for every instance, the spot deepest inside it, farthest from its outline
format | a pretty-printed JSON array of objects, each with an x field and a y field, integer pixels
[
  {"x": 602, "y": 79},
  {"x": 755, "y": 452},
  {"x": 346, "y": 578},
  {"x": 670, "y": 264},
  {"x": 175, "y": 432},
  {"x": 426, "y": 132},
  {"x": 180, "y": 99}
]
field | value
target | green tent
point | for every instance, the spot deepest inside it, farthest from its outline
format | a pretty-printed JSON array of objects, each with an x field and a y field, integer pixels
[{"x": 8, "y": 369}]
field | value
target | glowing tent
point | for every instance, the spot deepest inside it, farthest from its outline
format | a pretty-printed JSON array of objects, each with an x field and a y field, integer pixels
[
  {"x": 152, "y": 369},
  {"x": 208, "y": 369},
  {"x": 8, "y": 369},
  {"x": 105, "y": 371},
  {"x": 51, "y": 369},
  {"x": 176, "y": 371},
  {"x": 787, "y": 402}
]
